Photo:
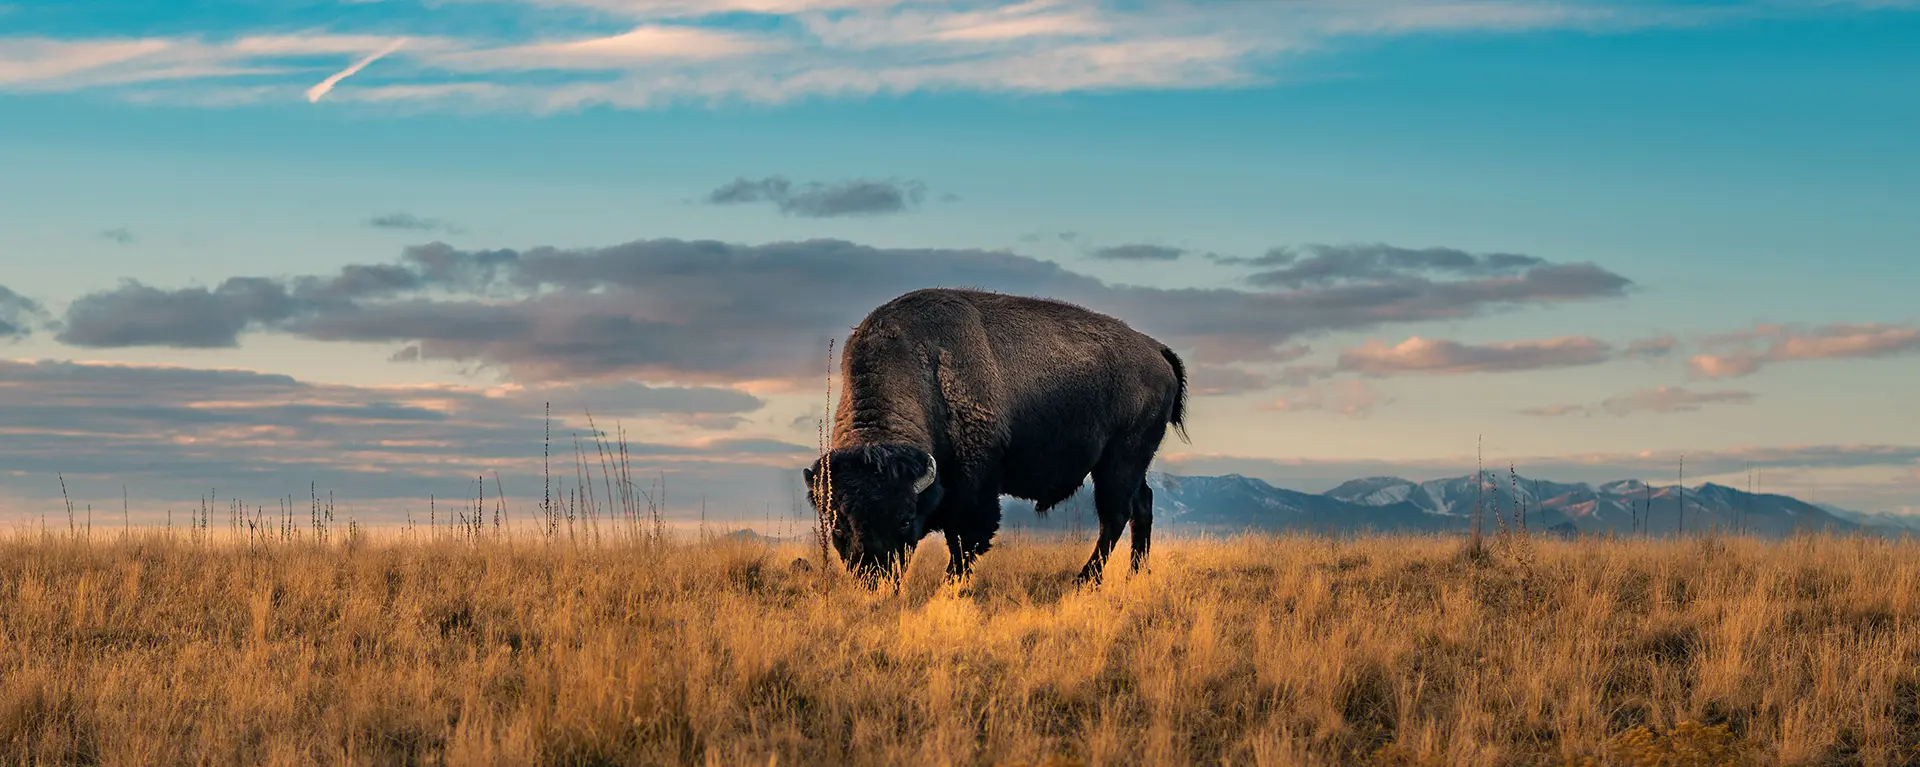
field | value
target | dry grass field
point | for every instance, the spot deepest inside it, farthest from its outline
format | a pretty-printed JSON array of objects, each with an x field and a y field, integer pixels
[{"x": 392, "y": 649}]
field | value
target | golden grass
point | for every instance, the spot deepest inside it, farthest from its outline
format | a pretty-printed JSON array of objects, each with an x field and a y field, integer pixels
[{"x": 1267, "y": 651}]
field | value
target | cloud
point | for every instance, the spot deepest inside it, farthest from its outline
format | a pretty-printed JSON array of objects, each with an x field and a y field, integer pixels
[
  {"x": 1305, "y": 373},
  {"x": 713, "y": 311},
  {"x": 1555, "y": 411},
  {"x": 121, "y": 235},
  {"x": 412, "y": 223},
  {"x": 1040, "y": 238},
  {"x": 1668, "y": 399},
  {"x": 680, "y": 51},
  {"x": 47, "y": 64},
  {"x": 25, "y": 61},
  {"x": 1319, "y": 265},
  {"x": 1418, "y": 355},
  {"x": 1658, "y": 347},
  {"x": 1224, "y": 380},
  {"x": 819, "y": 200},
  {"x": 1711, "y": 366},
  {"x": 1663, "y": 399},
  {"x": 18, "y": 315},
  {"x": 1137, "y": 253},
  {"x": 1019, "y": 21},
  {"x": 139, "y": 315},
  {"x": 683, "y": 9},
  {"x": 1350, "y": 398},
  {"x": 635, "y": 48},
  {"x": 1210, "y": 380},
  {"x": 171, "y": 433},
  {"x": 320, "y": 89},
  {"x": 1743, "y": 353}
]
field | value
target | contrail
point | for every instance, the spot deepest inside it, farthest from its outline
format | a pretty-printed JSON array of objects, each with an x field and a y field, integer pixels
[{"x": 314, "y": 93}]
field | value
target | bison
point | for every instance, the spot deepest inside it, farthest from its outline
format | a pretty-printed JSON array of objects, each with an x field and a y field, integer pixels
[{"x": 952, "y": 398}]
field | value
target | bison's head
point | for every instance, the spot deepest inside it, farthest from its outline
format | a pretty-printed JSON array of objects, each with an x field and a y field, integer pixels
[{"x": 880, "y": 497}]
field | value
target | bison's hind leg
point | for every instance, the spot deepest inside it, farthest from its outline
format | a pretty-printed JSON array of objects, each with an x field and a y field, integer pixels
[
  {"x": 1142, "y": 523},
  {"x": 1116, "y": 485}
]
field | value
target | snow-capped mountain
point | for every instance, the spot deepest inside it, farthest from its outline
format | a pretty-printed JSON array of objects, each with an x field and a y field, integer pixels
[
  {"x": 1456, "y": 496},
  {"x": 1623, "y": 506},
  {"x": 1235, "y": 503},
  {"x": 1881, "y": 519}
]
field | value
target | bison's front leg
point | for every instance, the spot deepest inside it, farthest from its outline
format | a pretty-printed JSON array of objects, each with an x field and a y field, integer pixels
[
  {"x": 960, "y": 555},
  {"x": 970, "y": 534},
  {"x": 962, "y": 550}
]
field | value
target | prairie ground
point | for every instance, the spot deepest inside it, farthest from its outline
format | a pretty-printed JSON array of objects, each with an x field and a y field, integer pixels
[{"x": 392, "y": 649}]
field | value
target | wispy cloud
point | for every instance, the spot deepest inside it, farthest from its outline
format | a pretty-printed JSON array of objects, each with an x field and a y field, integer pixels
[
  {"x": 1351, "y": 398},
  {"x": 1442, "y": 357},
  {"x": 857, "y": 197},
  {"x": 1662, "y": 399},
  {"x": 320, "y": 89},
  {"x": 121, "y": 235},
  {"x": 1137, "y": 252},
  {"x": 678, "y": 51},
  {"x": 1744, "y": 352},
  {"x": 1658, "y": 347},
  {"x": 1209, "y": 380},
  {"x": 411, "y": 223},
  {"x": 1334, "y": 264},
  {"x": 1049, "y": 238},
  {"x": 694, "y": 9},
  {"x": 49, "y": 64},
  {"x": 19, "y": 315},
  {"x": 636, "y": 48}
]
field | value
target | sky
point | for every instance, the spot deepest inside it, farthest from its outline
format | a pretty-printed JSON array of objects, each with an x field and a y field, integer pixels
[{"x": 261, "y": 248}]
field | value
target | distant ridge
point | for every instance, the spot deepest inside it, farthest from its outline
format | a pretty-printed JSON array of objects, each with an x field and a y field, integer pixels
[{"x": 1234, "y": 503}]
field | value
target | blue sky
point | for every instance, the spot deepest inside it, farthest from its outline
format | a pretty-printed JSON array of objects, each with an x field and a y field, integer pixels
[{"x": 1738, "y": 180}]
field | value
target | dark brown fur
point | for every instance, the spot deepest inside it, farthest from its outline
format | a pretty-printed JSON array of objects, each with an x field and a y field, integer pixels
[{"x": 1009, "y": 395}]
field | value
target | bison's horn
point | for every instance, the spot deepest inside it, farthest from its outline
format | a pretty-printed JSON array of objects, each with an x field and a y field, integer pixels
[{"x": 926, "y": 480}]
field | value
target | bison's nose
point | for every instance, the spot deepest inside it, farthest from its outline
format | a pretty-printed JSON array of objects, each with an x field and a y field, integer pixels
[
  {"x": 867, "y": 571},
  {"x": 870, "y": 563}
]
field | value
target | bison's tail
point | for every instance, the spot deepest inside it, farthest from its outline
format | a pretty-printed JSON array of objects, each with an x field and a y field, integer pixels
[{"x": 1179, "y": 417}]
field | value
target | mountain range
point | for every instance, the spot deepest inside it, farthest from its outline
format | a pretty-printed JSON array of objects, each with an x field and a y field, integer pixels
[{"x": 1235, "y": 503}]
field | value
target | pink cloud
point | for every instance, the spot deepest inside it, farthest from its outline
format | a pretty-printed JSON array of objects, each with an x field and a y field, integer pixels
[
  {"x": 1554, "y": 411},
  {"x": 1349, "y": 398},
  {"x": 1441, "y": 357},
  {"x": 625, "y": 50},
  {"x": 1652, "y": 348},
  {"x": 1221, "y": 380},
  {"x": 1661, "y": 399},
  {"x": 1784, "y": 343}
]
